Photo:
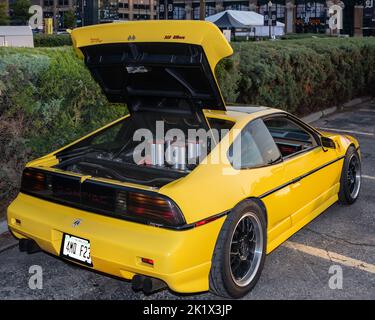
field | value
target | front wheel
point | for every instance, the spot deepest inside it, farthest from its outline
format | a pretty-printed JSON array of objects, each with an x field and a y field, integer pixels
[
  {"x": 350, "y": 182},
  {"x": 239, "y": 252}
]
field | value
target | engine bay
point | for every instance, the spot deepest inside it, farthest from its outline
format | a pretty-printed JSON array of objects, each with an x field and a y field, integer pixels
[{"x": 147, "y": 148}]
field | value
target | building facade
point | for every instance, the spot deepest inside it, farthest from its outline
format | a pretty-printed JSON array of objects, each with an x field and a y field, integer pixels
[
  {"x": 298, "y": 15},
  {"x": 137, "y": 10},
  {"x": 90, "y": 12},
  {"x": 86, "y": 11}
]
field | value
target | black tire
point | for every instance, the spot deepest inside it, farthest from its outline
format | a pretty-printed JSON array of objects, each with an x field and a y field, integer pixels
[
  {"x": 350, "y": 182},
  {"x": 223, "y": 281}
]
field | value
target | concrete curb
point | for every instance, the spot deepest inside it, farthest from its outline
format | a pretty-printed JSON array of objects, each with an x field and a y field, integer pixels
[
  {"x": 317, "y": 115},
  {"x": 3, "y": 226}
]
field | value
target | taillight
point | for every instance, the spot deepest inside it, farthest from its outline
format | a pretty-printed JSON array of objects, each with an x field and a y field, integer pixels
[
  {"x": 131, "y": 205},
  {"x": 50, "y": 185},
  {"x": 154, "y": 208},
  {"x": 33, "y": 181},
  {"x": 36, "y": 182}
]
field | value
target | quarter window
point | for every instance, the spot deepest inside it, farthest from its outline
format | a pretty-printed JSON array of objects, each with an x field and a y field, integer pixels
[{"x": 254, "y": 147}]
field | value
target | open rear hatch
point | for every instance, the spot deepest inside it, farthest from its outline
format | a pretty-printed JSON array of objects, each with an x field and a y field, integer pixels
[
  {"x": 164, "y": 72},
  {"x": 159, "y": 66}
]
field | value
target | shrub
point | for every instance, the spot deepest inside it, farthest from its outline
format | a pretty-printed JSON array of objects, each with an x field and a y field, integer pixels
[
  {"x": 299, "y": 76},
  {"x": 47, "y": 99},
  {"x": 52, "y": 40}
]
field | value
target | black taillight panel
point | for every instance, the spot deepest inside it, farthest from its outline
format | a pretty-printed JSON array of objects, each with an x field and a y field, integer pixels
[
  {"x": 104, "y": 198},
  {"x": 66, "y": 188},
  {"x": 99, "y": 196},
  {"x": 51, "y": 185},
  {"x": 157, "y": 209}
]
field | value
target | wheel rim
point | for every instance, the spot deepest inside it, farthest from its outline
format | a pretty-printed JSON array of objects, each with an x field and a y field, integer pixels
[
  {"x": 246, "y": 249},
  {"x": 354, "y": 176}
]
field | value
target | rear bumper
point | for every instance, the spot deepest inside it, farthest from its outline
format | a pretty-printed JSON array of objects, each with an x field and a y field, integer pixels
[{"x": 182, "y": 259}]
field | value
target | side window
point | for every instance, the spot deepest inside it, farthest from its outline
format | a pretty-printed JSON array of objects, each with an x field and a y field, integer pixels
[
  {"x": 290, "y": 137},
  {"x": 254, "y": 147}
]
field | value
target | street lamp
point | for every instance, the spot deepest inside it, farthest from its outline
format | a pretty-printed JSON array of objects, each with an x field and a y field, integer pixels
[{"x": 270, "y": 4}]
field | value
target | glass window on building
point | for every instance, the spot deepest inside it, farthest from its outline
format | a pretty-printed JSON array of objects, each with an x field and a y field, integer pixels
[
  {"x": 277, "y": 5},
  {"x": 210, "y": 10},
  {"x": 48, "y": 3},
  {"x": 63, "y": 2},
  {"x": 123, "y": 16},
  {"x": 123, "y": 4},
  {"x": 141, "y": 10},
  {"x": 310, "y": 16},
  {"x": 179, "y": 12},
  {"x": 236, "y": 5},
  {"x": 108, "y": 10},
  {"x": 47, "y": 14},
  {"x": 196, "y": 11}
]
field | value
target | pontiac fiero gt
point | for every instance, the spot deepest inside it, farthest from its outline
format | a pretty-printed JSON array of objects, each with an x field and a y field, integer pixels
[{"x": 174, "y": 218}]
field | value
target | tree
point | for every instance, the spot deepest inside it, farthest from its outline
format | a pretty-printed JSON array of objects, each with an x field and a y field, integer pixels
[
  {"x": 70, "y": 19},
  {"x": 4, "y": 18},
  {"x": 20, "y": 11}
]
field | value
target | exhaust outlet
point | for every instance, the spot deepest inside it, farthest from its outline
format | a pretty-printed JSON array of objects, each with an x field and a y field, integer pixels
[
  {"x": 151, "y": 285},
  {"x": 28, "y": 245},
  {"x": 137, "y": 282},
  {"x": 147, "y": 284}
]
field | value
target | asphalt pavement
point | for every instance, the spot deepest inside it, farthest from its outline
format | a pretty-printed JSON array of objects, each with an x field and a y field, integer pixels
[{"x": 333, "y": 257}]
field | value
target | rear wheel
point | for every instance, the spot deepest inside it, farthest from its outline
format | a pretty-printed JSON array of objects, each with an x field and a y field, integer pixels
[
  {"x": 350, "y": 182},
  {"x": 239, "y": 252}
]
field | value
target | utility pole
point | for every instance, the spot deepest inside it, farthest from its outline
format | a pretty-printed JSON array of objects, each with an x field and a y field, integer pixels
[
  {"x": 270, "y": 19},
  {"x": 202, "y": 9},
  {"x": 83, "y": 12}
]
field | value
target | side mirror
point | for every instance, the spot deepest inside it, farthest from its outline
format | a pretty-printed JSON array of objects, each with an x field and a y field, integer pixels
[{"x": 327, "y": 143}]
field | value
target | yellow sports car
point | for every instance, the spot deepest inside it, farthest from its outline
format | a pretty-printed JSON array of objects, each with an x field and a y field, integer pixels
[{"x": 183, "y": 192}]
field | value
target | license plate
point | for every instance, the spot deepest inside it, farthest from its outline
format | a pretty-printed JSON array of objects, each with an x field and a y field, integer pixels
[{"x": 76, "y": 249}]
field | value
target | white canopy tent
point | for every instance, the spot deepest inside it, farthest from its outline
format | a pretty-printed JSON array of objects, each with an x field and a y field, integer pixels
[
  {"x": 16, "y": 36},
  {"x": 229, "y": 19}
]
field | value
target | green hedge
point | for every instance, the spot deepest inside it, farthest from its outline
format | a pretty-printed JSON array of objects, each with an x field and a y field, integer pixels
[
  {"x": 299, "y": 76},
  {"x": 48, "y": 98},
  {"x": 53, "y": 40},
  {"x": 299, "y": 36}
]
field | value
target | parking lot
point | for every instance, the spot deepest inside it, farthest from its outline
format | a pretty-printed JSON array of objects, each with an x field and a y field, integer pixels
[{"x": 341, "y": 239}]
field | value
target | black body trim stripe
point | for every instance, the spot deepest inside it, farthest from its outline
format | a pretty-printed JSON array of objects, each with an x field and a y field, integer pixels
[
  {"x": 295, "y": 180},
  {"x": 196, "y": 224}
]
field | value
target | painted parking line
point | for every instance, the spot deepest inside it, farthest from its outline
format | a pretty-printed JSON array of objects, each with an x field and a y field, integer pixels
[
  {"x": 331, "y": 256},
  {"x": 349, "y": 131},
  {"x": 367, "y": 110},
  {"x": 367, "y": 177}
]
